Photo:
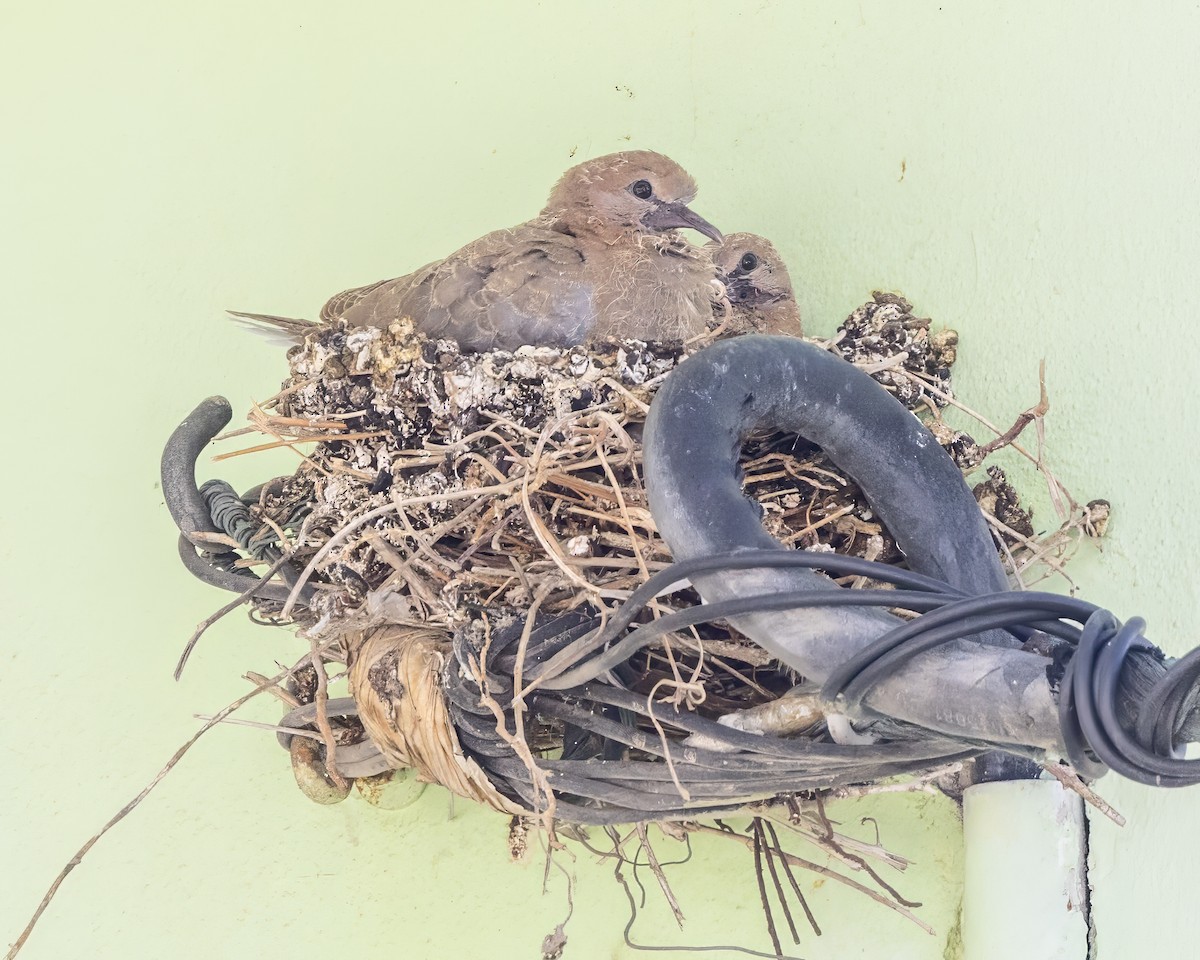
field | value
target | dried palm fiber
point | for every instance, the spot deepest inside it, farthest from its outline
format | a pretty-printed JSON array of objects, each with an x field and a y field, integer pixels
[{"x": 395, "y": 681}]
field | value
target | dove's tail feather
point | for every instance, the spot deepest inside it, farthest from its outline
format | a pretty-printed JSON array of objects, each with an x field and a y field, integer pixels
[{"x": 280, "y": 331}]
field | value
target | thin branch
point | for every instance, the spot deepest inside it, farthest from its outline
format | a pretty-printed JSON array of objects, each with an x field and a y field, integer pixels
[{"x": 131, "y": 805}]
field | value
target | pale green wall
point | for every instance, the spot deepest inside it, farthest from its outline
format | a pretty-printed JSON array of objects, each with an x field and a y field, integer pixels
[{"x": 164, "y": 161}]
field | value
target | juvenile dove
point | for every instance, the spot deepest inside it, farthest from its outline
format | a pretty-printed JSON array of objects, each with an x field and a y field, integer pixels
[
  {"x": 757, "y": 285},
  {"x": 601, "y": 260}
]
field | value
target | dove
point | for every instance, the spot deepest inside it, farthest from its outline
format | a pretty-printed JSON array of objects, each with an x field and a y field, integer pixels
[
  {"x": 601, "y": 261},
  {"x": 757, "y": 285}
]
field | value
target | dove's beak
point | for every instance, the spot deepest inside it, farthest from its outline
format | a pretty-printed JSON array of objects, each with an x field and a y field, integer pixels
[{"x": 670, "y": 216}]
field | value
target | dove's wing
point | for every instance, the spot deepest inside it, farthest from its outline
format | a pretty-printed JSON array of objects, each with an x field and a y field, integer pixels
[
  {"x": 340, "y": 304},
  {"x": 524, "y": 285}
]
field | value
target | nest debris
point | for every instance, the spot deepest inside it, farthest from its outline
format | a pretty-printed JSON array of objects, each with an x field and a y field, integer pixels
[
  {"x": 454, "y": 491},
  {"x": 484, "y": 474}
]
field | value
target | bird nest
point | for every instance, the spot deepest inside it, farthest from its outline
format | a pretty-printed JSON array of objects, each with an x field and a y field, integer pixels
[
  {"x": 448, "y": 486},
  {"x": 454, "y": 491},
  {"x": 459, "y": 501}
]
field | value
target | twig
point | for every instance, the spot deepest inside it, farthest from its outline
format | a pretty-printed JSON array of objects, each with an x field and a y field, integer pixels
[
  {"x": 757, "y": 846},
  {"x": 1036, "y": 412},
  {"x": 825, "y": 872},
  {"x": 662, "y": 734},
  {"x": 657, "y": 870},
  {"x": 537, "y": 775},
  {"x": 321, "y": 700},
  {"x": 1069, "y": 779},
  {"x": 129, "y": 807},
  {"x": 830, "y": 841},
  {"x": 787, "y": 869},
  {"x": 232, "y": 605},
  {"x": 293, "y": 441},
  {"x": 349, "y": 528}
]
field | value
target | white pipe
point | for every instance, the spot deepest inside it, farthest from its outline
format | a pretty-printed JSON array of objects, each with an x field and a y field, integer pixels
[{"x": 1025, "y": 883}]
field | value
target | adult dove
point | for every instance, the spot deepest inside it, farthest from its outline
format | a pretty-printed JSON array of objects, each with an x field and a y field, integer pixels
[
  {"x": 602, "y": 260},
  {"x": 757, "y": 285}
]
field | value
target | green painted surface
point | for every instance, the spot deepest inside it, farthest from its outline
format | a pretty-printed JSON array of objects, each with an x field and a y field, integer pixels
[{"x": 1025, "y": 174}]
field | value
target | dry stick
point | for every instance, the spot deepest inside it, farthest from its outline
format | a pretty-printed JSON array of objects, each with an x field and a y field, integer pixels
[
  {"x": 1070, "y": 779},
  {"x": 683, "y": 688},
  {"x": 621, "y": 389},
  {"x": 257, "y": 725},
  {"x": 375, "y": 514},
  {"x": 836, "y": 515},
  {"x": 321, "y": 700},
  {"x": 1036, "y": 412},
  {"x": 280, "y": 536},
  {"x": 1014, "y": 566},
  {"x": 762, "y": 888},
  {"x": 729, "y": 668},
  {"x": 830, "y": 841},
  {"x": 485, "y": 464},
  {"x": 424, "y": 540},
  {"x": 635, "y": 540},
  {"x": 279, "y": 693},
  {"x": 216, "y": 539},
  {"x": 624, "y": 511},
  {"x": 272, "y": 402},
  {"x": 470, "y": 438},
  {"x": 275, "y": 426},
  {"x": 876, "y": 850},
  {"x": 923, "y": 785},
  {"x": 538, "y": 778},
  {"x": 1056, "y": 489},
  {"x": 274, "y": 445},
  {"x": 895, "y": 360},
  {"x": 228, "y": 608},
  {"x": 657, "y": 870},
  {"x": 825, "y": 872},
  {"x": 1039, "y": 552},
  {"x": 402, "y": 568},
  {"x": 768, "y": 856},
  {"x": 1036, "y": 552},
  {"x": 787, "y": 869},
  {"x": 129, "y": 807},
  {"x": 518, "y": 700},
  {"x": 1053, "y": 551},
  {"x": 448, "y": 526},
  {"x": 662, "y": 735},
  {"x": 520, "y": 572},
  {"x": 540, "y": 531}
]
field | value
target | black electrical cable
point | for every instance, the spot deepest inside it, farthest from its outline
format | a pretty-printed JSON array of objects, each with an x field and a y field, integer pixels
[
  {"x": 719, "y": 767},
  {"x": 723, "y": 609},
  {"x": 212, "y": 510},
  {"x": 1088, "y": 690},
  {"x": 1174, "y": 694},
  {"x": 682, "y": 571},
  {"x": 1095, "y": 739}
]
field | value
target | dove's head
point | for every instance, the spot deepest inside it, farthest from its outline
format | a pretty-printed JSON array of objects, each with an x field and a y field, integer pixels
[
  {"x": 757, "y": 282},
  {"x": 638, "y": 191}
]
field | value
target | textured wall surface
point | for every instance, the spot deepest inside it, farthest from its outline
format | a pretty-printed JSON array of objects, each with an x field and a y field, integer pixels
[{"x": 1026, "y": 175}]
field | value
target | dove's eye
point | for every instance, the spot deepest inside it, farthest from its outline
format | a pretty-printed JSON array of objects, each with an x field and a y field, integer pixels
[
  {"x": 642, "y": 189},
  {"x": 748, "y": 262}
]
